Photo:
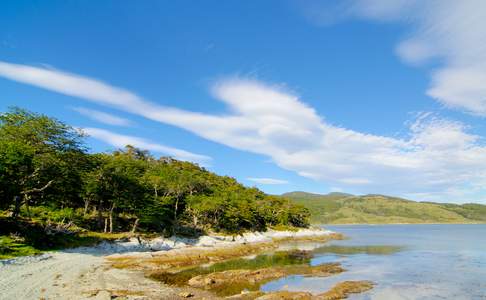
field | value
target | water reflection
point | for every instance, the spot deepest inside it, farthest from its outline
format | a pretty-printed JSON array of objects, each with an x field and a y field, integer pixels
[
  {"x": 349, "y": 250},
  {"x": 272, "y": 259},
  {"x": 421, "y": 262}
]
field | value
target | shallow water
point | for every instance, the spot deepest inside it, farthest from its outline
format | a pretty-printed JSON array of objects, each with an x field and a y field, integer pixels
[
  {"x": 289, "y": 256},
  {"x": 405, "y": 261}
]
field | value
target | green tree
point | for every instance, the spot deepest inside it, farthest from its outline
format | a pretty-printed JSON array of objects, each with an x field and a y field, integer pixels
[
  {"x": 115, "y": 186},
  {"x": 172, "y": 181},
  {"x": 46, "y": 153},
  {"x": 44, "y": 163},
  {"x": 16, "y": 170}
]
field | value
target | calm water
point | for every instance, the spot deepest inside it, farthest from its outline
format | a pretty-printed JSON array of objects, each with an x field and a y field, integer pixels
[{"x": 424, "y": 262}]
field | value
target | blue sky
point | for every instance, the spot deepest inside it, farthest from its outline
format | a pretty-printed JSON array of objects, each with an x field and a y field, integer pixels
[{"x": 357, "y": 96}]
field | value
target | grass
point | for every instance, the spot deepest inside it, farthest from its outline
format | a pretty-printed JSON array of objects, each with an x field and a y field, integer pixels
[
  {"x": 284, "y": 228},
  {"x": 11, "y": 247},
  {"x": 22, "y": 236},
  {"x": 339, "y": 208}
]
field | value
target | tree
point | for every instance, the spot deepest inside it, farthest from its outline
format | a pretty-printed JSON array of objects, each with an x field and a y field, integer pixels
[
  {"x": 172, "y": 181},
  {"x": 115, "y": 186},
  {"x": 44, "y": 163},
  {"x": 44, "y": 153},
  {"x": 16, "y": 170},
  {"x": 280, "y": 211}
]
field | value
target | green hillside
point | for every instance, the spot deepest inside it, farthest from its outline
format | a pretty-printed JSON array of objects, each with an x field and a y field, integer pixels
[{"x": 341, "y": 208}]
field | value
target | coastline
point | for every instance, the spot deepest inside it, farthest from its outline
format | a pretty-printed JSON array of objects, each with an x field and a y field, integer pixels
[
  {"x": 382, "y": 224},
  {"x": 85, "y": 272}
]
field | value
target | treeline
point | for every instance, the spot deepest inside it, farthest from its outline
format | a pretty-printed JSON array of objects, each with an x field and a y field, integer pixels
[{"x": 46, "y": 173}]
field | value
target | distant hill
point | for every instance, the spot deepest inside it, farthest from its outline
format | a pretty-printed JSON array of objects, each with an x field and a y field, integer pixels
[{"x": 342, "y": 208}]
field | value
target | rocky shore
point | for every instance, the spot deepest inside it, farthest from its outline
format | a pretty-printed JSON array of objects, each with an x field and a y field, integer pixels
[{"x": 126, "y": 269}]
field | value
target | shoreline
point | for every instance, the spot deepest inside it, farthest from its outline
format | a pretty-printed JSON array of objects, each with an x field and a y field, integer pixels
[
  {"x": 383, "y": 224},
  {"x": 86, "y": 273}
]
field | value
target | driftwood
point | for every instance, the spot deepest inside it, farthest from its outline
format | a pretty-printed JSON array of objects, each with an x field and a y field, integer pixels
[{"x": 59, "y": 228}]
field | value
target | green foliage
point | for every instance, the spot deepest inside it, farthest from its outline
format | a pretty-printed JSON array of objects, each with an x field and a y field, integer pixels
[
  {"x": 12, "y": 246},
  {"x": 24, "y": 236},
  {"x": 377, "y": 209},
  {"x": 41, "y": 159},
  {"x": 47, "y": 176},
  {"x": 15, "y": 168},
  {"x": 45, "y": 214},
  {"x": 471, "y": 211}
]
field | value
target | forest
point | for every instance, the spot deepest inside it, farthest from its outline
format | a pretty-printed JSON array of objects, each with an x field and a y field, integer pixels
[{"x": 48, "y": 176}]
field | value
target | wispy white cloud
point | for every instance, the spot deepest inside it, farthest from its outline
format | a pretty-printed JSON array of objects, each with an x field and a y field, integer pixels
[
  {"x": 99, "y": 92},
  {"x": 103, "y": 117},
  {"x": 271, "y": 181},
  {"x": 450, "y": 32},
  {"x": 120, "y": 141},
  {"x": 438, "y": 158}
]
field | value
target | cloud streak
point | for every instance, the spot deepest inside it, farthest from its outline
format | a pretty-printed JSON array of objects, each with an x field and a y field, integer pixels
[
  {"x": 120, "y": 141},
  {"x": 270, "y": 181},
  {"x": 103, "y": 117},
  {"x": 437, "y": 160}
]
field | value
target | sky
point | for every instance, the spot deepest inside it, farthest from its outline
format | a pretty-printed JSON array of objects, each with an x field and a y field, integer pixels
[{"x": 358, "y": 96}]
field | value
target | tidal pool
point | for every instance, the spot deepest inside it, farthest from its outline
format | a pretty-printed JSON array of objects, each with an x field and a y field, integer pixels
[
  {"x": 265, "y": 260},
  {"x": 405, "y": 262}
]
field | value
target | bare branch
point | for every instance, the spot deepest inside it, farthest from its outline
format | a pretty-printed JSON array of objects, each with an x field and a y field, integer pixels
[{"x": 38, "y": 190}]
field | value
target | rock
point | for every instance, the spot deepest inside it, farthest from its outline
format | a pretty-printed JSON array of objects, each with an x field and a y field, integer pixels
[
  {"x": 186, "y": 294},
  {"x": 246, "y": 295},
  {"x": 343, "y": 289},
  {"x": 301, "y": 254},
  {"x": 103, "y": 295},
  {"x": 218, "y": 279},
  {"x": 251, "y": 277},
  {"x": 286, "y": 295}
]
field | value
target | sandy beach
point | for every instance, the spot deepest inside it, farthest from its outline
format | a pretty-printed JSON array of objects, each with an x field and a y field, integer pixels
[{"x": 84, "y": 273}]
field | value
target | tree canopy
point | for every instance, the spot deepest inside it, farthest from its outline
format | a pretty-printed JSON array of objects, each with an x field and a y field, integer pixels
[{"x": 44, "y": 164}]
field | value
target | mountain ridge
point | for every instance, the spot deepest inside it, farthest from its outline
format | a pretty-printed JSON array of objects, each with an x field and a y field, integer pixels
[{"x": 344, "y": 208}]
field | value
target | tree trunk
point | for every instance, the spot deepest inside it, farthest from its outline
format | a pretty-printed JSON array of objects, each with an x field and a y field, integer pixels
[
  {"x": 175, "y": 216},
  {"x": 86, "y": 205},
  {"x": 106, "y": 225},
  {"x": 111, "y": 221},
  {"x": 100, "y": 218},
  {"x": 111, "y": 217},
  {"x": 135, "y": 224},
  {"x": 17, "y": 203},
  {"x": 27, "y": 206},
  {"x": 175, "y": 209}
]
